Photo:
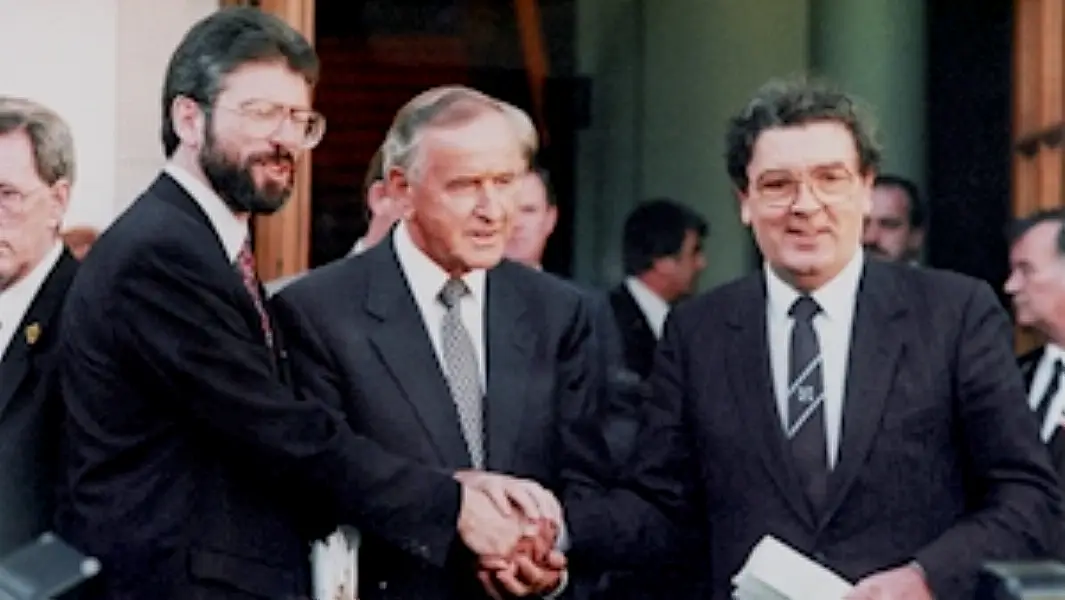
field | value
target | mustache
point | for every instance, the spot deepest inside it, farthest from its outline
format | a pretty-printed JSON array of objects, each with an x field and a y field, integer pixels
[
  {"x": 873, "y": 248},
  {"x": 278, "y": 156}
]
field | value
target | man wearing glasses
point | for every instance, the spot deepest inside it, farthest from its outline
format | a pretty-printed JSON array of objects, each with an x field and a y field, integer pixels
[
  {"x": 36, "y": 172},
  {"x": 868, "y": 414},
  {"x": 193, "y": 472}
]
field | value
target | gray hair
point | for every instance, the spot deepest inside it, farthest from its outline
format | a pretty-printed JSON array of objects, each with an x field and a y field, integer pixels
[
  {"x": 49, "y": 134},
  {"x": 442, "y": 106}
]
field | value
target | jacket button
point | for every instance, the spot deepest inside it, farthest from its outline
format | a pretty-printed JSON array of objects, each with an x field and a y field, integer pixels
[{"x": 382, "y": 585}]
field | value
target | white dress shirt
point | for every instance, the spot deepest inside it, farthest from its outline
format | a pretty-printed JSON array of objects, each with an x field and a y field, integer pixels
[
  {"x": 15, "y": 301},
  {"x": 654, "y": 308},
  {"x": 833, "y": 325},
  {"x": 232, "y": 230},
  {"x": 425, "y": 279},
  {"x": 1040, "y": 381}
]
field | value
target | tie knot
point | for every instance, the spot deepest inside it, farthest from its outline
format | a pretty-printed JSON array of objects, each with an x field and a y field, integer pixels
[
  {"x": 453, "y": 291},
  {"x": 804, "y": 308}
]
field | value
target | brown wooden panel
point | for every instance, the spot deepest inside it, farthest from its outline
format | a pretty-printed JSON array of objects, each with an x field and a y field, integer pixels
[
  {"x": 1038, "y": 108},
  {"x": 282, "y": 240}
]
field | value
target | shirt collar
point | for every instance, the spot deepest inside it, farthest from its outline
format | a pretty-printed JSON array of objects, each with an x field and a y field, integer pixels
[
  {"x": 1053, "y": 352},
  {"x": 424, "y": 276},
  {"x": 232, "y": 230},
  {"x": 20, "y": 295},
  {"x": 653, "y": 307},
  {"x": 836, "y": 297}
]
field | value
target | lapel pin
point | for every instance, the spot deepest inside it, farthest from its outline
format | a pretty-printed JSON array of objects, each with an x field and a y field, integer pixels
[{"x": 33, "y": 332}]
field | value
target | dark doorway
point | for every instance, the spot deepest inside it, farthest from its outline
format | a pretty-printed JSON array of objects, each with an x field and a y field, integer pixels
[
  {"x": 969, "y": 117},
  {"x": 377, "y": 54}
]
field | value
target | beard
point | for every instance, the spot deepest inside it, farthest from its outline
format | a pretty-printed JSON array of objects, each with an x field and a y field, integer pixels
[{"x": 235, "y": 184}]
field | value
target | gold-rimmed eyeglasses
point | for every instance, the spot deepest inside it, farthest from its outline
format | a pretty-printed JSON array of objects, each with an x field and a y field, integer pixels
[
  {"x": 263, "y": 119},
  {"x": 780, "y": 189}
]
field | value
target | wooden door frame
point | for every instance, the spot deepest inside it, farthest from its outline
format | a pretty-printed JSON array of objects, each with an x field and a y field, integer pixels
[
  {"x": 282, "y": 240},
  {"x": 1038, "y": 115}
]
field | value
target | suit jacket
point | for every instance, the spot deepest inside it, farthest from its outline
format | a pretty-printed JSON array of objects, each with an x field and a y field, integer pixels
[
  {"x": 358, "y": 341},
  {"x": 938, "y": 460},
  {"x": 637, "y": 340},
  {"x": 30, "y": 414},
  {"x": 1028, "y": 363},
  {"x": 193, "y": 471}
]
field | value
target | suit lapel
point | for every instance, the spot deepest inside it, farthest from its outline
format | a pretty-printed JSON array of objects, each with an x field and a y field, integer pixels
[
  {"x": 509, "y": 343},
  {"x": 35, "y": 329},
  {"x": 876, "y": 343},
  {"x": 405, "y": 349},
  {"x": 750, "y": 376}
]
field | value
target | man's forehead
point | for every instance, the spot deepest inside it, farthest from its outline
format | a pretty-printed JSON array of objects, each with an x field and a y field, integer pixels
[
  {"x": 821, "y": 143},
  {"x": 17, "y": 162}
]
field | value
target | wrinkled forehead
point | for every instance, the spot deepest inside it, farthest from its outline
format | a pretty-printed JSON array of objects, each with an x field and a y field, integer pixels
[
  {"x": 485, "y": 142},
  {"x": 803, "y": 147}
]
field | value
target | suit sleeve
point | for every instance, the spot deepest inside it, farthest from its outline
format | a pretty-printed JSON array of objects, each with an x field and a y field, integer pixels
[
  {"x": 190, "y": 330},
  {"x": 634, "y": 520},
  {"x": 1018, "y": 511}
]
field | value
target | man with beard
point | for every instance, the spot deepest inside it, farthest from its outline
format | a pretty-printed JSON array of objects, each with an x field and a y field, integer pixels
[{"x": 192, "y": 471}]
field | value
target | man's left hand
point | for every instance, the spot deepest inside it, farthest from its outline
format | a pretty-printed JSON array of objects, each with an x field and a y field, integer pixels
[
  {"x": 522, "y": 576},
  {"x": 903, "y": 583}
]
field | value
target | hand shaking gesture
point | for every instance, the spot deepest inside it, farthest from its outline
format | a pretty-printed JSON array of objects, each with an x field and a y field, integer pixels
[{"x": 513, "y": 525}]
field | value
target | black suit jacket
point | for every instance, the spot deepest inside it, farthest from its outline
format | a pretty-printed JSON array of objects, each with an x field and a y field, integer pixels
[
  {"x": 193, "y": 471},
  {"x": 938, "y": 459},
  {"x": 637, "y": 340},
  {"x": 1028, "y": 363},
  {"x": 358, "y": 341},
  {"x": 30, "y": 413}
]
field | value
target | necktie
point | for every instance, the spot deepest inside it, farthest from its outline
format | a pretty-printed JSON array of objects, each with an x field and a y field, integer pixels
[
  {"x": 1048, "y": 395},
  {"x": 246, "y": 264},
  {"x": 806, "y": 422},
  {"x": 460, "y": 368}
]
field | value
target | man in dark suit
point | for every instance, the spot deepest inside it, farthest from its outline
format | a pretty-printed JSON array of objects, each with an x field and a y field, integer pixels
[
  {"x": 36, "y": 172},
  {"x": 1037, "y": 286},
  {"x": 662, "y": 252},
  {"x": 442, "y": 351},
  {"x": 868, "y": 414},
  {"x": 193, "y": 471}
]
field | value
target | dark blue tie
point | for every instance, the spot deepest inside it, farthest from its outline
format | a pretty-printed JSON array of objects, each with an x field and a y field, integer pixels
[{"x": 806, "y": 399}]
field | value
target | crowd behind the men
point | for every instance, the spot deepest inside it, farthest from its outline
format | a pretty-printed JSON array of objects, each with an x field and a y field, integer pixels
[{"x": 476, "y": 427}]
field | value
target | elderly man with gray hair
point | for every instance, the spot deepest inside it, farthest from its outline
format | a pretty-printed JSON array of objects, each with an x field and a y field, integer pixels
[
  {"x": 440, "y": 350},
  {"x": 36, "y": 172}
]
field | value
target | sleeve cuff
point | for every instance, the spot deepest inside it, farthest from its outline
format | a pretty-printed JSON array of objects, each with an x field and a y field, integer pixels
[{"x": 562, "y": 584}]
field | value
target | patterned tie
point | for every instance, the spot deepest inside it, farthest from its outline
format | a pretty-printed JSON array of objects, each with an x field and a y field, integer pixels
[
  {"x": 460, "y": 367},
  {"x": 246, "y": 264},
  {"x": 806, "y": 398},
  {"x": 1052, "y": 389}
]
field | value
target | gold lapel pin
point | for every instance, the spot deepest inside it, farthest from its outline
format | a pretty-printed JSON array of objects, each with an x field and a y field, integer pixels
[{"x": 33, "y": 332}]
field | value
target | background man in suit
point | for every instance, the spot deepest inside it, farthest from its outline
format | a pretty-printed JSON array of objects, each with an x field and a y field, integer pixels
[
  {"x": 193, "y": 471},
  {"x": 1037, "y": 286},
  {"x": 895, "y": 227},
  {"x": 534, "y": 220},
  {"x": 441, "y": 351},
  {"x": 810, "y": 402},
  {"x": 36, "y": 172},
  {"x": 662, "y": 251}
]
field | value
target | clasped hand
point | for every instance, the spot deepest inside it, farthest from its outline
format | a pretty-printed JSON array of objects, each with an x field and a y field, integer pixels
[{"x": 513, "y": 526}]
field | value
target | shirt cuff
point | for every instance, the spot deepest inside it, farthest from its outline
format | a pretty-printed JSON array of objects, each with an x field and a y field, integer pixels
[
  {"x": 562, "y": 543},
  {"x": 562, "y": 583}
]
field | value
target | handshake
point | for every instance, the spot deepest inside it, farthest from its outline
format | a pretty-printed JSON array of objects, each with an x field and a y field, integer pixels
[{"x": 513, "y": 526}]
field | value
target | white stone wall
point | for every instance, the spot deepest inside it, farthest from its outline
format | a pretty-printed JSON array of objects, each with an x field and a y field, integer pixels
[{"x": 99, "y": 63}]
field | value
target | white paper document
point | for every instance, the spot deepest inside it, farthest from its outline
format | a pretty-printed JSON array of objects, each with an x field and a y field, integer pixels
[{"x": 776, "y": 571}]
